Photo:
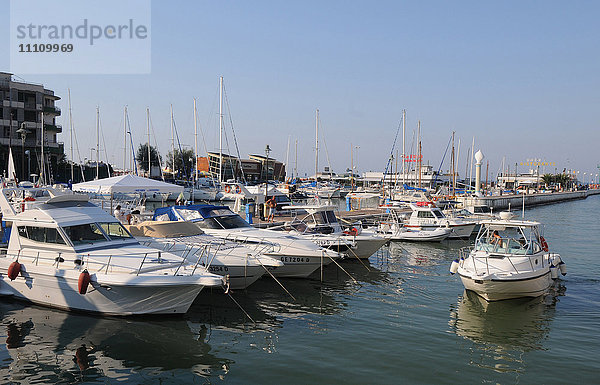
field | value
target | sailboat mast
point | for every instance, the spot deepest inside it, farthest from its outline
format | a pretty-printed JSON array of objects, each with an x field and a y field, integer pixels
[
  {"x": 195, "y": 142},
  {"x": 221, "y": 129},
  {"x": 296, "y": 161},
  {"x": 452, "y": 178},
  {"x": 317, "y": 146},
  {"x": 419, "y": 156},
  {"x": 172, "y": 145},
  {"x": 43, "y": 168},
  {"x": 71, "y": 132},
  {"x": 124, "y": 139},
  {"x": 148, "y": 128},
  {"x": 287, "y": 157},
  {"x": 97, "y": 142},
  {"x": 403, "y": 145},
  {"x": 471, "y": 166}
]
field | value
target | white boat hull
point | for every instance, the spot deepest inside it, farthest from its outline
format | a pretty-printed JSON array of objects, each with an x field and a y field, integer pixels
[
  {"x": 500, "y": 289},
  {"x": 105, "y": 294},
  {"x": 436, "y": 235}
]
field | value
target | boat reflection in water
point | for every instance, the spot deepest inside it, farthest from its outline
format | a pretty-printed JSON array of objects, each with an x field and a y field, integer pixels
[
  {"x": 49, "y": 346},
  {"x": 504, "y": 330}
]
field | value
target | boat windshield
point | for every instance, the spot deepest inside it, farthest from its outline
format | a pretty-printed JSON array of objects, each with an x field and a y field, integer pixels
[
  {"x": 189, "y": 215},
  {"x": 324, "y": 217},
  {"x": 115, "y": 230},
  {"x": 88, "y": 233},
  {"x": 507, "y": 240},
  {"x": 223, "y": 222}
]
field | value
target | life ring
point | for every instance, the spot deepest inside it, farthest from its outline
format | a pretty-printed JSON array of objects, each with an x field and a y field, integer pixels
[
  {"x": 544, "y": 244},
  {"x": 238, "y": 189},
  {"x": 227, "y": 188},
  {"x": 435, "y": 198}
]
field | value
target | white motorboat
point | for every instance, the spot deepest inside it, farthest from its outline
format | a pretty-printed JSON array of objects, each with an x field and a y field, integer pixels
[
  {"x": 241, "y": 265},
  {"x": 300, "y": 256},
  {"x": 426, "y": 216},
  {"x": 322, "y": 227},
  {"x": 393, "y": 229},
  {"x": 510, "y": 259},
  {"x": 67, "y": 253}
]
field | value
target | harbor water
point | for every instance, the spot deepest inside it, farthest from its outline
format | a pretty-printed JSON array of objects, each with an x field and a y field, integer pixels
[{"x": 400, "y": 318}]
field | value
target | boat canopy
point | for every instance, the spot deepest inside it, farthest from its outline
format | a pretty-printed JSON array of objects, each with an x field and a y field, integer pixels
[
  {"x": 127, "y": 184},
  {"x": 192, "y": 213},
  {"x": 168, "y": 229}
]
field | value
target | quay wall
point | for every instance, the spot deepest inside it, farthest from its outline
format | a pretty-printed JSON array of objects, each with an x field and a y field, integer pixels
[{"x": 502, "y": 202}]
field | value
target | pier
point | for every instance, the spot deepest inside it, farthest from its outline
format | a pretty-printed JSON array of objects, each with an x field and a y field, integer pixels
[{"x": 502, "y": 202}]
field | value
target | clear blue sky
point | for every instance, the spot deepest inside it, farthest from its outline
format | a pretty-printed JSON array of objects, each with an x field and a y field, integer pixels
[{"x": 522, "y": 77}]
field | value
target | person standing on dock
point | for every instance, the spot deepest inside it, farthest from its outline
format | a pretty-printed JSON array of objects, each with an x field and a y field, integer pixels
[{"x": 272, "y": 205}]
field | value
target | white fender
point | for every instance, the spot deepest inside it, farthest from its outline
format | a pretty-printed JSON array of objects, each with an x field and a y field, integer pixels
[{"x": 454, "y": 266}]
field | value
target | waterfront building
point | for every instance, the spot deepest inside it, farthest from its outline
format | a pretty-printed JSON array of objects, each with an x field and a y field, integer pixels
[
  {"x": 23, "y": 104},
  {"x": 231, "y": 167}
]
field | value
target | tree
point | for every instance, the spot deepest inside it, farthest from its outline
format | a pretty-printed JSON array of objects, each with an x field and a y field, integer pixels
[
  {"x": 141, "y": 157},
  {"x": 184, "y": 162}
]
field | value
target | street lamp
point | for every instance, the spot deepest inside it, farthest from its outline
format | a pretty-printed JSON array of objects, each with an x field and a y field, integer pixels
[
  {"x": 23, "y": 132},
  {"x": 28, "y": 153}
]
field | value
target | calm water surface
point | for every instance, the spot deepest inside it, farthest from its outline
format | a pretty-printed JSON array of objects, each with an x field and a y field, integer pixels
[{"x": 400, "y": 319}]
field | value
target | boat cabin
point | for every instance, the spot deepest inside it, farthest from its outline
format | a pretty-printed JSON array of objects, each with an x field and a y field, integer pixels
[
  {"x": 510, "y": 238},
  {"x": 205, "y": 216}
]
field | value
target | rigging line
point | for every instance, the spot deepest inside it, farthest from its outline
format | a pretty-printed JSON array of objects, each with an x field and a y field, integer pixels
[
  {"x": 156, "y": 148},
  {"x": 203, "y": 142},
  {"x": 442, "y": 162},
  {"x": 132, "y": 148},
  {"x": 78, "y": 153},
  {"x": 326, "y": 151},
  {"x": 234, "y": 137},
  {"x": 180, "y": 150},
  {"x": 392, "y": 151},
  {"x": 104, "y": 143}
]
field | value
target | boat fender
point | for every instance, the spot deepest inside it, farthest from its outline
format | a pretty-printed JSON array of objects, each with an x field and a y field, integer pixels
[
  {"x": 544, "y": 244},
  {"x": 14, "y": 270},
  {"x": 563, "y": 268},
  {"x": 553, "y": 272},
  {"x": 556, "y": 260},
  {"x": 84, "y": 281},
  {"x": 462, "y": 261},
  {"x": 454, "y": 267}
]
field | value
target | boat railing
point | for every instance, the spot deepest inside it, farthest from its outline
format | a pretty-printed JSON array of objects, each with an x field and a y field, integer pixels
[
  {"x": 96, "y": 263},
  {"x": 495, "y": 254}
]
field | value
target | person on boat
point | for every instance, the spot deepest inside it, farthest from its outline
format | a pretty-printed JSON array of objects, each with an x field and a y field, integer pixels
[
  {"x": 495, "y": 238},
  {"x": 119, "y": 214},
  {"x": 272, "y": 205}
]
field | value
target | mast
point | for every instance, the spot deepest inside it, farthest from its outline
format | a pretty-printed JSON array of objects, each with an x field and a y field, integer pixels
[
  {"x": 71, "y": 132},
  {"x": 221, "y": 129},
  {"x": 452, "y": 176},
  {"x": 195, "y": 143},
  {"x": 97, "y": 142},
  {"x": 172, "y": 145},
  {"x": 403, "y": 145},
  {"x": 317, "y": 147},
  {"x": 471, "y": 167},
  {"x": 148, "y": 127},
  {"x": 287, "y": 157},
  {"x": 124, "y": 139},
  {"x": 296, "y": 161},
  {"x": 43, "y": 169},
  {"x": 419, "y": 156}
]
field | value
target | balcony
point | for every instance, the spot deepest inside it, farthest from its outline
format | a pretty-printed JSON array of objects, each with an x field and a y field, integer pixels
[{"x": 52, "y": 110}]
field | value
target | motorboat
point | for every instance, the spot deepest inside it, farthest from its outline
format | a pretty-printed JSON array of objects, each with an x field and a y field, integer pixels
[
  {"x": 393, "y": 229},
  {"x": 510, "y": 259},
  {"x": 425, "y": 215},
  {"x": 241, "y": 265},
  {"x": 300, "y": 256},
  {"x": 68, "y": 253},
  {"x": 321, "y": 225}
]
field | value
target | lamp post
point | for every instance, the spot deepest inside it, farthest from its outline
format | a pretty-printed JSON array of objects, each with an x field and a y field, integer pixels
[
  {"x": 28, "y": 153},
  {"x": 23, "y": 131}
]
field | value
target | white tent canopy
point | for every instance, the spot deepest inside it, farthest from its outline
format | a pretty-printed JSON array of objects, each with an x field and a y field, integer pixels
[{"x": 127, "y": 184}]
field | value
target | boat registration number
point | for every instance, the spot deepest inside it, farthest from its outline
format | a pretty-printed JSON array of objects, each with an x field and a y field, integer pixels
[
  {"x": 295, "y": 259},
  {"x": 214, "y": 269}
]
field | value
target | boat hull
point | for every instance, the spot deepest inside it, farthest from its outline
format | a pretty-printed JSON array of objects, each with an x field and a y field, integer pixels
[
  {"x": 59, "y": 289},
  {"x": 500, "y": 289}
]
